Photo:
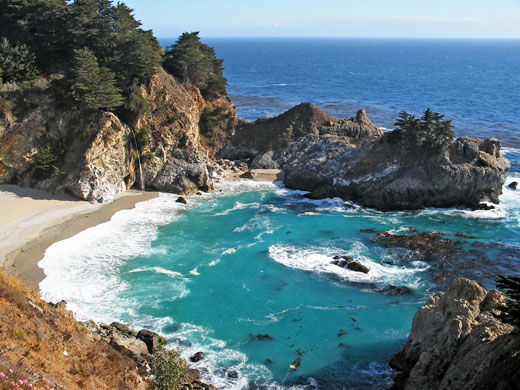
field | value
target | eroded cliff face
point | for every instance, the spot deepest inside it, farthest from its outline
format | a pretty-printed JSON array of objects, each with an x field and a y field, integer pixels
[
  {"x": 46, "y": 147},
  {"x": 456, "y": 342},
  {"x": 94, "y": 155},
  {"x": 180, "y": 155}
]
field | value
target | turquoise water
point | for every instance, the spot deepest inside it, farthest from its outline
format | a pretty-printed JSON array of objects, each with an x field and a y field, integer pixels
[{"x": 244, "y": 274}]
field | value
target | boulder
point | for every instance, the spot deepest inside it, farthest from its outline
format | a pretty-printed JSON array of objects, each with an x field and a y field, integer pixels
[
  {"x": 197, "y": 357},
  {"x": 513, "y": 185},
  {"x": 129, "y": 345},
  {"x": 182, "y": 200},
  {"x": 248, "y": 175},
  {"x": 152, "y": 340},
  {"x": 351, "y": 264},
  {"x": 456, "y": 342}
]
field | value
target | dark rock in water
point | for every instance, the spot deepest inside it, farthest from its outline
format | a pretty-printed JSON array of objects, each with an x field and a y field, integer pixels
[
  {"x": 261, "y": 337},
  {"x": 426, "y": 246},
  {"x": 368, "y": 231},
  {"x": 397, "y": 290},
  {"x": 342, "y": 333},
  {"x": 152, "y": 340},
  {"x": 483, "y": 206},
  {"x": 199, "y": 193},
  {"x": 268, "y": 361},
  {"x": 232, "y": 374},
  {"x": 180, "y": 199},
  {"x": 197, "y": 357},
  {"x": 349, "y": 263},
  {"x": 343, "y": 345},
  {"x": 513, "y": 185}
]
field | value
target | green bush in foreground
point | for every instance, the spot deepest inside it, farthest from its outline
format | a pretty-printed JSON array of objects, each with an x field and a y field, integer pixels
[
  {"x": 510, "y": 286},
  {"x": 169, "y": 369}
]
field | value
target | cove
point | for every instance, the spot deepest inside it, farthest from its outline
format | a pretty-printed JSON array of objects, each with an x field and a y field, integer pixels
[{"x": 244, "y": 275}]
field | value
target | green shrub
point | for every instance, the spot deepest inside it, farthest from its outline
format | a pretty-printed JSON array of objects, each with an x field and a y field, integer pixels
[
  {"x": 46, "y": 162},
  {"x": 17, "y": 62},
  {"x": 169, "y": 369},
  {"x": 431, "y": 130}
]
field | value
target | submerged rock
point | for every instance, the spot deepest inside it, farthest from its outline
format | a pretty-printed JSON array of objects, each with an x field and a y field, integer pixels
[{"x": 456, "y": 342}]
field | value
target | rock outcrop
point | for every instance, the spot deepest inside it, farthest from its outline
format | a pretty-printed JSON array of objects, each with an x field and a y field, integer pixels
[
  {"x": 456, "y": 342},
  {"x": 46, "y": 145},
  {"x": 354, "y": 160}
]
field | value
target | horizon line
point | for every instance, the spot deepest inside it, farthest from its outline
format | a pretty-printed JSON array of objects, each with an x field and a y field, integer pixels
[{"x": 348, "y": 37}]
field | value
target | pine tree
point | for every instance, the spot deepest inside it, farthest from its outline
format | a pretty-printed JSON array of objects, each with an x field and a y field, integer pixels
[
  {"x": 191, "y": 60},
  {"x": 431, "y": 130},
  {"x": 93, "y": 87},
  {"x": 17, "y": 63}
]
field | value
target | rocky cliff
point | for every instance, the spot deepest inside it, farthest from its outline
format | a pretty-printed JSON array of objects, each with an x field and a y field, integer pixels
[
  {"x": 354, "y": 160},
  {"x": 49, "y": 145},
  {"x": 456, "y": 342}
]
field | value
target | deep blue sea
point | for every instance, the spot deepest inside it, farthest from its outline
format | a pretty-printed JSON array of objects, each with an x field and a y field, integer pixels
[{"x": 244, "y": 273}]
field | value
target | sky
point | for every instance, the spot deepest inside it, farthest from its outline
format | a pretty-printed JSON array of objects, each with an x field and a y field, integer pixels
[{"x": 331, "y": 18}]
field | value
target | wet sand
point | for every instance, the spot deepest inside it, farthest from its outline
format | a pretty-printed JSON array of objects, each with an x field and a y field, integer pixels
[{"x": 32, "y": 220}]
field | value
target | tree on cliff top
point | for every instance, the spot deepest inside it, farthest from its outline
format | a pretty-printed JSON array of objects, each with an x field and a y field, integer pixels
[
  {"x": 430, "y": 129},
  {"x": 93, "y": 86},
  {"x": 510, "y": 286},
  {"x": 191, "y": 60}
]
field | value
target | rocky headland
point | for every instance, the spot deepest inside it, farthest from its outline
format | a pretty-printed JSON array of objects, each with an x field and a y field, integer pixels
[
  {"x": 179, "y": 144},
  {"x": 352, "y": 159},
  {"x": 457, "y": 342}
]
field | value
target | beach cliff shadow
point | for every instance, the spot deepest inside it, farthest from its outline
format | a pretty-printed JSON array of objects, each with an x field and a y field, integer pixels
[{"x": 27, "y": 192}]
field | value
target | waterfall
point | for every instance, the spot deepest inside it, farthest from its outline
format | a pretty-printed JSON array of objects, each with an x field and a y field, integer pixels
[{"x": 141, "y": 183}]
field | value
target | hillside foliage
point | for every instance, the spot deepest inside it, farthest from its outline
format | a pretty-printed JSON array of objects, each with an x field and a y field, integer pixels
[
  {"x": 55, "y": 35},
  {"x": 430, "y": 130},
  {"x": 191, "y": 60}
]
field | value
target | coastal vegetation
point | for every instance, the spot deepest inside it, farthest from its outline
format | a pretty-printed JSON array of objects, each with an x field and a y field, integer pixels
[
  {"x": 191, "y": 60},
  {"x": 430, "y": 130},
  {"x": 94, "y": 38}
]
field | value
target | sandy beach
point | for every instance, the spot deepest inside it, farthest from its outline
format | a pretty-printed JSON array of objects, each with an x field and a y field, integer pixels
[{"x": 32, "y": 220}]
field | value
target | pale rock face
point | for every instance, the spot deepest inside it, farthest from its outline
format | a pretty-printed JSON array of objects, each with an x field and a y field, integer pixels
[
  {"x": 105, "y": 166},
  {"x": 457, "y": 343}
]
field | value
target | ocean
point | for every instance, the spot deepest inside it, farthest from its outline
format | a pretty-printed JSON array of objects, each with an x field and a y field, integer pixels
[{"x": 244, "y": 273}]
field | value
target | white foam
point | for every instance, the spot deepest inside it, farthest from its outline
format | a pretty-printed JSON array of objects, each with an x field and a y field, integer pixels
[
  {"x": 195, "y": 272},
  {"x": 229, "y": 251},
  {"x": 214, "y": 263},
  {"x": 157, "y": 270},
  {"x": 319, "y": 260},
  {"x": 84, "y": 269}
]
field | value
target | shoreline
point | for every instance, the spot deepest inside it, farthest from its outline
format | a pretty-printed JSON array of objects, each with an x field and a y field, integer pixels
[
  {"x": 32, "y": 220},
  {"x": 39, "y": 219}
]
